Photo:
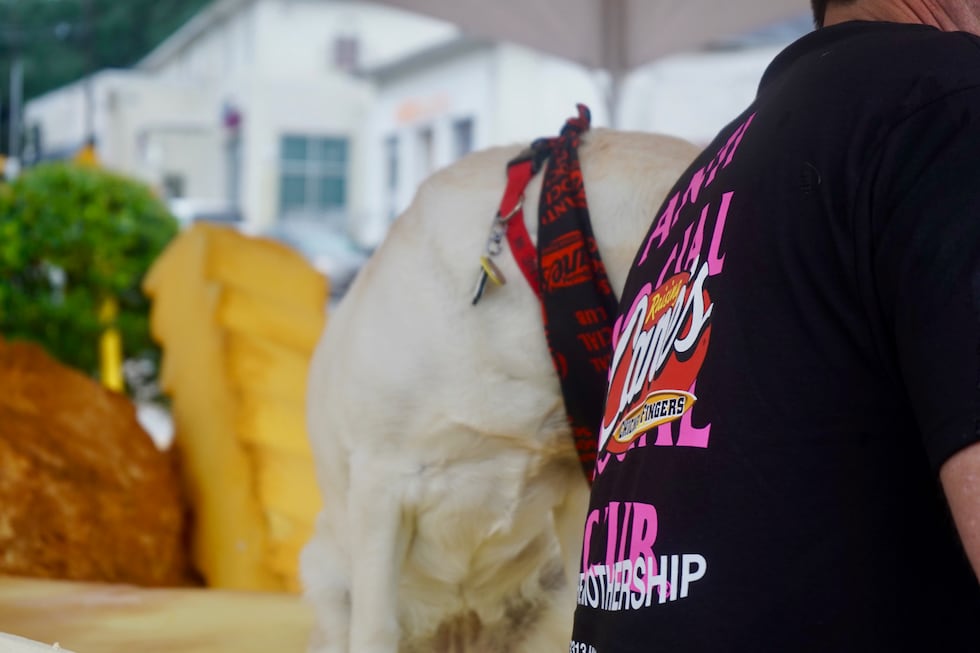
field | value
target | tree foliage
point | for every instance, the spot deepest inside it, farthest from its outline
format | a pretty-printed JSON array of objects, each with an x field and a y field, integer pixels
[
  {"x": 62, "y": 40},
  {"x": 71, "y": 236}
]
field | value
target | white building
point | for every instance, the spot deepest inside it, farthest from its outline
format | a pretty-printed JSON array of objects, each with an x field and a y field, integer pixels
[
  {"x": 251, "y": 103},
  {"x": 442, "y": 102},
  {"x": 437, "y": 104},
  {"x": 335, "y": 110}
]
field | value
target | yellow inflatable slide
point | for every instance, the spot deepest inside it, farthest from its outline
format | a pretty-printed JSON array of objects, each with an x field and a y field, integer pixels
[{"x": 238, "y": 318}]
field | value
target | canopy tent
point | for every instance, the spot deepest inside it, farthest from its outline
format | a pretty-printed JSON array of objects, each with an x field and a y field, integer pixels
[{"x": 615, "y": 36}]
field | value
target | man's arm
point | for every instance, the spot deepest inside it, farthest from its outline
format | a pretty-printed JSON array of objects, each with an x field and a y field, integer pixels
[{"x": 960, "y": 476}]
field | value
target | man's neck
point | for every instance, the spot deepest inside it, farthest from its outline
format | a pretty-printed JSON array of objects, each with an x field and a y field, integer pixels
[{"x": 947, "y": 15}]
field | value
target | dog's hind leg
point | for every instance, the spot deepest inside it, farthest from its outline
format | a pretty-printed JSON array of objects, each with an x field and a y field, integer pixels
[
  {"x": 380, "y": 532},
  {"x": 555, "y": 623}
]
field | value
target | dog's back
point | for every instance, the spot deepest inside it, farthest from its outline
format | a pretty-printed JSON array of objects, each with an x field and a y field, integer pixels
[{"x": 454, "y": 499}]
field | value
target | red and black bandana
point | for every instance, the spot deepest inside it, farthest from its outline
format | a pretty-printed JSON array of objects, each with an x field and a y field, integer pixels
[{"x": 578, "y": 303}]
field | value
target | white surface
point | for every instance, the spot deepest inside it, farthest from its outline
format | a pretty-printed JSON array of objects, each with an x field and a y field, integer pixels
[
  {"x": 15, "y": 644},
  {"x": 156, "y": 420}
]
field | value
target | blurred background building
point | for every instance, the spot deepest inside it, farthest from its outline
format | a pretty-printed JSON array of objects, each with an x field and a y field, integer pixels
[{"x": 314, "y": 120}]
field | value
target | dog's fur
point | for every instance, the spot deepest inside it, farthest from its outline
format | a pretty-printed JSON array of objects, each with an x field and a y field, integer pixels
[{"x": 453, "y": 497}]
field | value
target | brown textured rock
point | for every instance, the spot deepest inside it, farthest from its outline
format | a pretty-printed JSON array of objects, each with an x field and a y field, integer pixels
[{"x": 84, "y": 492}]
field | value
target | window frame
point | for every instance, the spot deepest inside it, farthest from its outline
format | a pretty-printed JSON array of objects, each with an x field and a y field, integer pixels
[{"x": 314, "y": 167}]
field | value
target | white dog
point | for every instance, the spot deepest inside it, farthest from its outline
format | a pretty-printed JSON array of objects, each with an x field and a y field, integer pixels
[{"x": 453, "y": 497}]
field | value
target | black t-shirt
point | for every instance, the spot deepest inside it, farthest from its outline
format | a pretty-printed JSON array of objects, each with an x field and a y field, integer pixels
[{"x": 796, "y": 356}]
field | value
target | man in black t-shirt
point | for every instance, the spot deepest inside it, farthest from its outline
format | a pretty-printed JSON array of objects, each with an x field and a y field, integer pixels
[{"x": 789, "y": 458}]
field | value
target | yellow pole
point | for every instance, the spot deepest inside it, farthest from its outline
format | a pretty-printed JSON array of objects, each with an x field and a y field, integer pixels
[
  {"x": 110, "y": 347},
  {"x": 110, "y": 342}
]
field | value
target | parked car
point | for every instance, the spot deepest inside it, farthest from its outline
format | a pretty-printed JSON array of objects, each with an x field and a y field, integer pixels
[
  {"x": 189, "y": 210},
  {"x": 332, "y": 252}
]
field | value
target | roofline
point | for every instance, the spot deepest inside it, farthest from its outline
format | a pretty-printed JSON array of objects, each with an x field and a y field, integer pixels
[
  {"x": 425, "y": 58},
  {"x": 79, "y": 84},
  {"x": 189, "y": 32}
]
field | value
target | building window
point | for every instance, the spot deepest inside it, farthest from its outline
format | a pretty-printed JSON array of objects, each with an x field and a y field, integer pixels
[
  {"x": 313, "y": 175},
  {"x": 391, "y": 175},
  {"x": 233, "y": 168},
  {"x": 425, "y": 143},
  {"x": 33, "y": 145},
  {"x": 462, "y": 137},
  {"x": 346, "y": 51},
  {"x": 391, "y": 162},
  {"x": 173, "y": 185}
]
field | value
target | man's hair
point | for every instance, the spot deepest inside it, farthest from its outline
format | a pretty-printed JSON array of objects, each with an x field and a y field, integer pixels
[{"x": 820, "y": 9}]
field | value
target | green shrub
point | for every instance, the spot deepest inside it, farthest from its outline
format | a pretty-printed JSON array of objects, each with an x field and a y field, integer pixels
[{"x": 71, "y": 236}]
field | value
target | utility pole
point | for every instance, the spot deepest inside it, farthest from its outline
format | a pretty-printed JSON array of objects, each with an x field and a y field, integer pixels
[
  {"x": 16, "y": 102},
  {"x": 12, "y": 164},
  {"x": 89, "y": 22}
]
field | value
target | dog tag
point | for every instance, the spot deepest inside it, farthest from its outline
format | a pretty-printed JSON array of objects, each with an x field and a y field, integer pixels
[
  {"x": 481, "y": 286},
  {"x": 488, "y": 272},
  {"x": 492, "y": 271}
]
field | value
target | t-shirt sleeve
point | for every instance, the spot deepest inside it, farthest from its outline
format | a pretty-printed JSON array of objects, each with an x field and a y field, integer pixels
[{"x": 926, "y": 261}]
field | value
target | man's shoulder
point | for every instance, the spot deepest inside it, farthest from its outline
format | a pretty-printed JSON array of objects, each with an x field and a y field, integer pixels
[
  {"x": 885, "y": 69},
  {"x": 904, "y": 51}
]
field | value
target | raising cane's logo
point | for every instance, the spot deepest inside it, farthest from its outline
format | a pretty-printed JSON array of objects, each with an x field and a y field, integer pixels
[{"x": 661, "y": 347}]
